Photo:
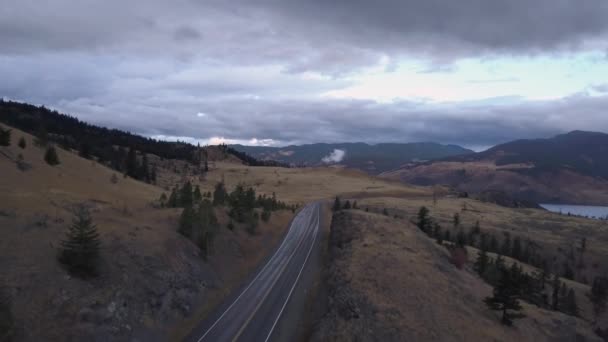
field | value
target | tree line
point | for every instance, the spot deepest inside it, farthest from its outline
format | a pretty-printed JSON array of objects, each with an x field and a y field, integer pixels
[
  {"x": 510, "y": 284},
  {"x": 109, "y": 146},
  {"x": 198, "y": 220}
]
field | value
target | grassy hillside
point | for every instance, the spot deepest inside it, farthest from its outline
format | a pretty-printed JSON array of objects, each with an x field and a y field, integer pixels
[
  {"x": 151, "y": 278},
  {"x": 387, "y": 281},
  {"x": 153, "y": 284}
]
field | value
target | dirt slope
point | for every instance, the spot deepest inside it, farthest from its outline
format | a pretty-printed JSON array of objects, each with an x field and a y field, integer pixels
[{"x": 389, "y": 282}]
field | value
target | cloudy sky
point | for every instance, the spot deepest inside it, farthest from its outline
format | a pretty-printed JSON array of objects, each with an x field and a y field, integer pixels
[{"x": 470, "y": 72}]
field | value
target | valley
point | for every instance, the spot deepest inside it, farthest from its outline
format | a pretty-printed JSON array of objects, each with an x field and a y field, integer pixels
[{"x": 159, "y": 281}]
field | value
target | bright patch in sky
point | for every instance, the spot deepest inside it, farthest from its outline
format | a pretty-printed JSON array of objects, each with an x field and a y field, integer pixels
[
  {"x": 532, "y": 78},
  {"x": 218, "y": 140}
]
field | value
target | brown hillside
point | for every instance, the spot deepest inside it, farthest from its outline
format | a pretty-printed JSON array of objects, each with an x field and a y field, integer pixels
[
  {"x": 563, "y": 185},
  {"x": 389, "y": 282},
  {"x": 151, "y": 278}
]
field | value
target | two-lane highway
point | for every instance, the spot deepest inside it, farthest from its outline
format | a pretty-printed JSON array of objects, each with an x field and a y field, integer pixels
[{"x": 253, "y": 315}]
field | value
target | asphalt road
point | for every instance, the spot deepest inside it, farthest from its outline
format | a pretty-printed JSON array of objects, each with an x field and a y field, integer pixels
[{"x": 252, "y": 313}]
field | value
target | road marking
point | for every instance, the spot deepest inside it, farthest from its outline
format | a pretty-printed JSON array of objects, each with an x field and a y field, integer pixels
[
  {"x": 267, "y": 292},
  {"x": 248, "y": 286},
  {"x": 298, "y": 277},
  {"x": 252, "y": 281}
]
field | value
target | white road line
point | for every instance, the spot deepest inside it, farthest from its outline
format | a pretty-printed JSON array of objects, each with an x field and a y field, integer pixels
[
  {"x": 248, "y": 286},
  {"x": 297, "y": 278},
  {"x": 250, "y": 283},
  {"x": 274, "y": 281}
]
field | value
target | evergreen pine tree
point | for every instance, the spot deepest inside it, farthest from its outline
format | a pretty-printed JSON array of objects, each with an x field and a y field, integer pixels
[
  {"x": 555, "y": 284},
  {"x": 153, "y": 175},
  {"x": 571, "y": 307},
  {"x": 481, "y": 264},
  {"x": 80, "y": 250},
  {"x": 173, "y": 201},
  {"x": 219, "y": 194},
  {"x": 186, "y": 221},
  {"x": 456, "y": 220},
  {"x": 196, "y": 195},
  {"x": 438, "y": 233},
  {"x": 144, "y": 169},
  {"x": 347, "y": 204},
  {"x": 499, "y": 263},
  {"x": 42, "y": 136},
  {"x": 162, "y": 200},
  {"x": 51, "y": 157},
  {"x": 252, "y": 223},
  {"x": 5, "y": 137},
  {"x": 85, "y": 150},
  {"x": 506, "y": 245},
  {"x": 516, "y": 251},
  {"x": 447, "y": 236},
  {"x": 493, "y": 244},
  {"x": 131, "y": 164},
  {"x": 424, "y": 221},
  {"x": 476, "y": 228},
  {"x": 599, "y": 295},
  {"x": 265, "y": 215},
  {"x": 568, "y": 272},
  {"x": 460, "y": 238},
  {"x": 505, "y": 298},
  {"x": 205, "y": 227},
  {"x": 22, "y": 143},
  {"x": 337, "y": 206},
  {"x": 185, "y": 195}
]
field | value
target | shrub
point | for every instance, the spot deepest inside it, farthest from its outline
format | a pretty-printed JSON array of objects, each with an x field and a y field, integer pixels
[
  {"x": 265, "y": 215},
  {"x": 51, "y": 157},
  {"x": 5, "y": 137}
]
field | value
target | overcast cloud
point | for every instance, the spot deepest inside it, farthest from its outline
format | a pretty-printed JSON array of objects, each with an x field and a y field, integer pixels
[{"x": 470, "y": 72}]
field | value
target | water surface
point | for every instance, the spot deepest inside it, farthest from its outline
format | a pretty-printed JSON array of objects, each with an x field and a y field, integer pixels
[{"x": 591, "y": 211}]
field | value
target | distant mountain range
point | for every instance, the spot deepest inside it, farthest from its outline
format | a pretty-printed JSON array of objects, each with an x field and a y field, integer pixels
[
  {"x": 373, "y": 159},
  {"x": 568, "y": 168}
]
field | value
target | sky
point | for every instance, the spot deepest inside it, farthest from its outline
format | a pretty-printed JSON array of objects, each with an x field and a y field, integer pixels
[{"x": 276, "y": 72}]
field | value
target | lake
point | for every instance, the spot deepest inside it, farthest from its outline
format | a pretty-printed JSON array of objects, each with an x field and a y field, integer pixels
[{"x": 579, "y": 210}]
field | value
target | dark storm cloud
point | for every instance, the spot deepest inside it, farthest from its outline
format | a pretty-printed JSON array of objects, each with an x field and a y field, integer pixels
[
  {"x": 515, "y": 25},
  {"x": 251, "y": 66},
  {"x": 348, "y": 120},
  {"x": 311, "y": 34}
]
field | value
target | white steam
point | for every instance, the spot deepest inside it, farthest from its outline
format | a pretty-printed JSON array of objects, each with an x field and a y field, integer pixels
[{"x": 335, "y": 157}]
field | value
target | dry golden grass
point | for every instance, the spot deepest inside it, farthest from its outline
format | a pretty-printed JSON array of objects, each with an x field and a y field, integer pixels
[
  {"x": 140, "y": 245},
  {"x": 302, "y": 185},
  {"x": 556, "y": 234},
  {"x": 405, "y": 289}
]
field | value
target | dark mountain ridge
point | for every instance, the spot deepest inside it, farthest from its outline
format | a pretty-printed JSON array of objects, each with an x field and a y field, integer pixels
[
  {"x": 580, "y": 151},
  {"x": 568, "y": 168},
  {"x": 375, "y": 158}
]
